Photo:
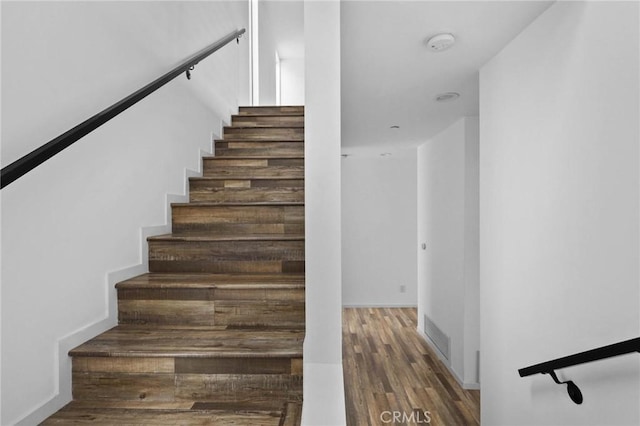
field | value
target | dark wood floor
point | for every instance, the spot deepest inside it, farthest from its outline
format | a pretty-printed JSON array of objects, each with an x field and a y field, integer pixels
[{"x": 393, "y": 377}]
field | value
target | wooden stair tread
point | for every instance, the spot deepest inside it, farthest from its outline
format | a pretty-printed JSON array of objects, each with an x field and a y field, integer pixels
[
  {"x": 280, "y": 110},
  {"x": 199, "y": 237},
  {"x": 248, "y": 140},
  {"x": 207, "y": 280},
  {"x": 264, "y": 126},
  {"x": 184, "y": 413},
  {"x": 258, "y": 404},
  {"x": 162, "y": 417},
  {"x": 271, "y": 114},
  {"x": 240, "y": 204},
  {"x": 252, "y": 157},
  {"x": 178, "y": 342},
  {"x": 215, "y": 178}
]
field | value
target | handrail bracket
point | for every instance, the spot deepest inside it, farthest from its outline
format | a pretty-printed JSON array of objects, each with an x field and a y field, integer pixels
[
  {"x": 188, "y": 71},
  {"x": 572, "y": 389}
]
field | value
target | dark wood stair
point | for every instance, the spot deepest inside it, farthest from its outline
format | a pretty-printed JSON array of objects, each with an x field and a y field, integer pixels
[
  {"x": 271, "y": 110},
  {"x": 213, "y": 334},
  {"x": 222, "y": 190},
  {"x": 266, "y": 120},
  {"x": 235, "y": 300},
  {"x": 239, "y": 218},
  {"x": 263, "y": 133},
  {"x": 253, "y": 168}
]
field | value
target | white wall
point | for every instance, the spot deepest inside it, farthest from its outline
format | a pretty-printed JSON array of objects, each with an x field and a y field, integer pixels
[
  {"x": 281, "y": 30},
  {"x": 559, "y": 215},
  {"x": 448, "y": 224},
  {"x": 267, "y": 30},
  {"x": 379, "y": 230},
  {"x": 292, "y": 81},
  {"x": 71, "y": 222},
  {"x": 323, "y": 382},
  {"x": 471, "y": 375}
]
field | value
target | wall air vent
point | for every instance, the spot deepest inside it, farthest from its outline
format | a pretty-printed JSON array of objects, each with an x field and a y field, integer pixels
[{"x": 439, "y": 339}]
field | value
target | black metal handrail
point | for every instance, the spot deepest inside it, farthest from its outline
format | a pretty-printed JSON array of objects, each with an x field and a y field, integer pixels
[
  {"x": 549, "y": 367},
  {"x": 38, "y": 156}
]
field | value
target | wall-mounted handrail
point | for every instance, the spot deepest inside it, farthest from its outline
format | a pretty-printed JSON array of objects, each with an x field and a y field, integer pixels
[
  {"x": 38, "y": 156},
  {"x": 549, "y": 367}
]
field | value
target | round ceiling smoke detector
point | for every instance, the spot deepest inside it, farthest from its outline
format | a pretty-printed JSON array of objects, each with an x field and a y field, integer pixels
[
  {"x": 441, "y": 42},
  {"x": 446, "y": 97}
]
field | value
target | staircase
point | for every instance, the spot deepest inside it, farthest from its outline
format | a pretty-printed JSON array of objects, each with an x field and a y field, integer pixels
[{"x": 213, "y": 334}]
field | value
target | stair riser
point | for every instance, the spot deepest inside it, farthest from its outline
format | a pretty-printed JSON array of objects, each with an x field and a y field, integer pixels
[
  {"x": 223, "y": 313},
  {"x": 264, "y": 134},
  {"x": 254, "y": 172},
  {"x": 239, "y": 228},
  {"x": 186, "y": 387},
  {"x": 247, "y": 292},
  {"x": 187, "y": 379},
  {"x": 284, "y": 110},
  {"x": 206, "y": 193},
  {"x": 259, "y": 148},
  {"x": 253, "y": 168},
  {"x": 212, "y": 307},
  {"x": 246, "y": 190},
  {"x": 266, "y": 121},
  {"x": 226, "y": 256},
  {"x": 238, "y": 219}
]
